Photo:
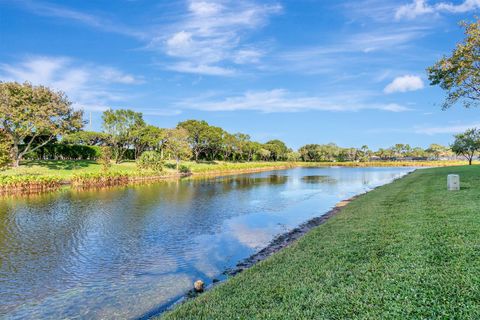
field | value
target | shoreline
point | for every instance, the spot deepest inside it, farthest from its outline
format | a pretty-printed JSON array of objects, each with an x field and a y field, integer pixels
[
  {"x": 138, "y": 179},
  {"x": 277, "y": 244}
]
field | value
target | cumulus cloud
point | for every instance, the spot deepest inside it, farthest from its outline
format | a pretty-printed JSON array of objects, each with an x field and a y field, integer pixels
[
  {"x": 404, "y": 84},
  {"x": 89, "y": 86},
  {"x": 213, "y": 33},
  {"x": 421, "y": 7},
  {"x": 281, "y": 100}
]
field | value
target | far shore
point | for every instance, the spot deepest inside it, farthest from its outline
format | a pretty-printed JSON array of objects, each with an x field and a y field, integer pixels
[{"x": 51, "y": 175}]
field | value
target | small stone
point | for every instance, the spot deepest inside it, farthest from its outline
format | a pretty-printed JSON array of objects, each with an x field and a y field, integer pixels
[
  {"x": 215, "y": 280},
  {"x": 199, "y": 286}
]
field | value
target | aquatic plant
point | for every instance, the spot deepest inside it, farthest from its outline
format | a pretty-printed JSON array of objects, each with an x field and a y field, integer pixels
[{"x": 27, "y": 183}]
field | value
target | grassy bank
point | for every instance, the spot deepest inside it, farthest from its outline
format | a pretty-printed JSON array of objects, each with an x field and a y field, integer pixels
[
  {"x": 66, "y": 168},
  {"x": 408, "y": 250},
  {"x": 89, "y": 173}
]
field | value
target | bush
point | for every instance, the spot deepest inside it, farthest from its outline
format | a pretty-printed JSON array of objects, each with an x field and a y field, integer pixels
[
  {"x": 100, "y": 179},
  {"x": 28, "y": 183},
  {"x": 150, "y": 160},
  {"x": 57, "y": 151},
  {"x": 184, "y": 169}
]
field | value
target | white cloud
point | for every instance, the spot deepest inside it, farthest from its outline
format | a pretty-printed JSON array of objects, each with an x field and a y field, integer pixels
[
  {"x": 204, "y": 8},
  {"x": 212, "y": 70},
  {"x": 404, "y": 84},
  {"x": 466, "y": 6},
  {"x": 281, "y": 100},
  {"x": 212, "y": 33},
  {"x": 421, "y": 7},
  {"x": 448, "y": 129},
  {"x": 88, "y": 86},
  {"x": 245, "y": 56},
  {"x": 101, "y": 23}
]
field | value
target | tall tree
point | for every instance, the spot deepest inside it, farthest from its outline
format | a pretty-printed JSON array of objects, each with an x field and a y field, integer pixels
[
  {"x": 120, "y": 125},
  {"x": 467, "y": 144},
  {"x": 5, "y": 150},
  {"x": 177, "y": 144},
  {"x": 88, "y": 138},
  {"x": 27, "y": 112},
  {"x": 436, "y": 151},
  {"x": 148, "y": 138},
  {"x": 197, "y": 135},
  {"x": 214, "y": 142},
  {"x": 277, "y": 148},
  {"x": 459, "y": 74}
]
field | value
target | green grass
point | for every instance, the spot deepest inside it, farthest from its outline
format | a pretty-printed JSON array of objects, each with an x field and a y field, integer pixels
[
  {"x": 408, "y": 250},
  {"x": 66, "y": 169}
]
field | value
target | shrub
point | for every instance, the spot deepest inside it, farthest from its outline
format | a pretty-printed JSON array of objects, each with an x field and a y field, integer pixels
[
  {"x": 105, "y": 158},
  {"x": 100, "y": 179},
  {"x": 28, "y": 183},
  {"x": 184, "y": 169},
  {"x": 150, "y": 160},
  {"x": 64, "y": 152}
]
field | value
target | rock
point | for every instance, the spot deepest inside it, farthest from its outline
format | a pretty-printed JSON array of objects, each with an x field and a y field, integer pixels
[
  {"x": 215, "y": 280},
  {"x": 199, "y": 286}
]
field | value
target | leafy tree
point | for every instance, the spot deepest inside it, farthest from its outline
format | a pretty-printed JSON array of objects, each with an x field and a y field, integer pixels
[
  {"x": 277, "y": 148},
  {"x": 5, "y": 150},
  {"x": 177, "y": 144},
  {"x": 121, "y": 125},
  {"x": 401, "y": 150},
  {"x": 214, "y": 142},
  {"x": 467, "y": 144},
  {"x": 308, "y": 152},
  {"x": 149, "y": 138},
  {"x": 264, "y": 154},
  {"x": 293, "y": 156},
  {"x": 437, "y": 151},
  {"x": 228, "y": 145},
  {"x": 459, "y": 74},
  {"x": 197, "y": 135},
  {"x": 27, "y": 112},
  {"x": 251, "y": 149},
  {"x": 385, "y": 154},
  {"x": 88, "y": 138},
  {"x": 418, "y": 152},
  {"x": 240, "y": 145},
  {"x": 364, "y": 153}
]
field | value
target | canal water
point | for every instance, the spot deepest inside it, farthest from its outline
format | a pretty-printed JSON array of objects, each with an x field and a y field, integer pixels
[{"x": 128, "y": 252}]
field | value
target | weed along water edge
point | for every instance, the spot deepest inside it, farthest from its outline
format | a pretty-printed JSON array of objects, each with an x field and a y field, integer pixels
[{"x": 125, "y": 252}]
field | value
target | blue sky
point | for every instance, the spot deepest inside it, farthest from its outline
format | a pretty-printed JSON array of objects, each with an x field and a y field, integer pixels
[{"x": 304, "y": 71}]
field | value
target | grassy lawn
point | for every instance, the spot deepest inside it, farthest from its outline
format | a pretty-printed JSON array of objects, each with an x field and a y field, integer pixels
[
  {"x": 408, "y": 250},
  {"x": 65, "y": 169}
]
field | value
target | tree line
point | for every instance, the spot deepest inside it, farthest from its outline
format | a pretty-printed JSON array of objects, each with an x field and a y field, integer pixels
[{"x": 39, "y": 123}]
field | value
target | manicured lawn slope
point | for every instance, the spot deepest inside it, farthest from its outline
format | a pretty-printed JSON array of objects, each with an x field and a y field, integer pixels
[{"x": 408, "y": 250}]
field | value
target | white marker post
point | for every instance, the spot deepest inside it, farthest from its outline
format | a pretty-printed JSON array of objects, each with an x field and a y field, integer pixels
[{"x": 453, "y": 182}]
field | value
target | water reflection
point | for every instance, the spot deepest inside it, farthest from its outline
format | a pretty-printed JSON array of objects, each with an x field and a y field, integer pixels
[
  {"x": 318, "y": 179},
  {"x": 123, "y": 252}
]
